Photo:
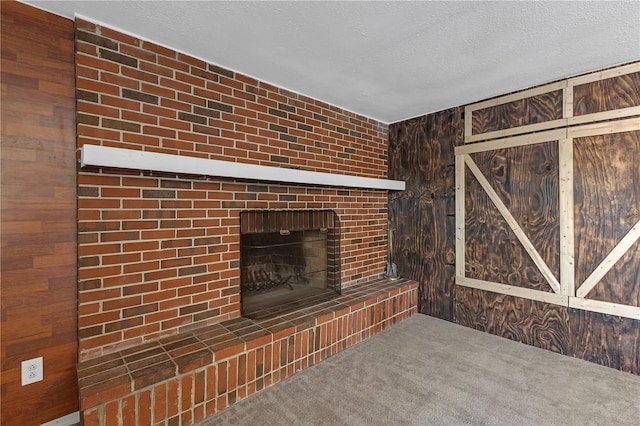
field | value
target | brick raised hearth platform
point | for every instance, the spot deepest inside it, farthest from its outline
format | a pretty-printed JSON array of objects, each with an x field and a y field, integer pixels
[{"x": 181, "y": 379}]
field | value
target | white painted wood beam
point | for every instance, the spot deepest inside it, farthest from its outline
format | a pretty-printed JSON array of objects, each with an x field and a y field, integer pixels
[{"x": 104, "y": 156}]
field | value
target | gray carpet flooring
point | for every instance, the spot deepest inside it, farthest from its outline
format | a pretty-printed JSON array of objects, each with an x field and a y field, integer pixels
[{"x": 425, "y": 371}]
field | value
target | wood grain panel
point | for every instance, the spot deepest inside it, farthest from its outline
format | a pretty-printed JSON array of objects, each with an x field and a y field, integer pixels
[
  {"x": 421, "y": 153},
  {"x": 605, "y": 95},
  {"x": 534, "y": 323},
  {"x": 493, "y": 252},
  {"x": 607, "y": 340},
  {"x": 607, "y": 205},
  {"x": 38, "y": 261},
  {"x": 536, "y": 109},
  {"x": 526, "y": 180}
]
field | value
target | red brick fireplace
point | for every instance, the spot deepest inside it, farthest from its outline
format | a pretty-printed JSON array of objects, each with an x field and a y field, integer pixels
[
  {"x": 161, "y": 336},
  {"x": 158, "y": 252}
]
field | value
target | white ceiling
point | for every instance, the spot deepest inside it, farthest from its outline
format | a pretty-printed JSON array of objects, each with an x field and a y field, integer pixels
[{"x": 386, "y": 60}]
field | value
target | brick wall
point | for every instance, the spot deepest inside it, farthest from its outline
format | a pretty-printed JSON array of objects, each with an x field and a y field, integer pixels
[{"x": 159, "y": 254}]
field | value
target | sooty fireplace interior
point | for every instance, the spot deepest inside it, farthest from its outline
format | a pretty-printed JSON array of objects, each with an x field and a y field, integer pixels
[{"x": 289, "y": 259}]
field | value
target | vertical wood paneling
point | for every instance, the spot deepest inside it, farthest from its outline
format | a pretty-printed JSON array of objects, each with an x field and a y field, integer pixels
[
  {"x": 421, "y": 153},
  {"x": 38, "y": 262}
]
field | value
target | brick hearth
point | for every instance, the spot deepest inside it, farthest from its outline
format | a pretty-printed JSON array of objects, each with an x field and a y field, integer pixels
[{"x": 182, "y": 379}]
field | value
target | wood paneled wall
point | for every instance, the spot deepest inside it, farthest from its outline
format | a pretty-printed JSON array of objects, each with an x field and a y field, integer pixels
[
  {"x": 38, "y": 262},
  {"x": 526, "y": 180},
  {"x": 421, "y": 153}
]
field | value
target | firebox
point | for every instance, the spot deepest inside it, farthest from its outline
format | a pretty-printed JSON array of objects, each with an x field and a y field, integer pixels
[{"x": 289, "y": 259}]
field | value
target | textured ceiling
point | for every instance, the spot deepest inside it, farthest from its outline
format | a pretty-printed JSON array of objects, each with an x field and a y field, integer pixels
[{"x": 386, "y": 60}]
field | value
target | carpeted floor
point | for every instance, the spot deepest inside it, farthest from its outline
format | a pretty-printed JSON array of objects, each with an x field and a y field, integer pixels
[{"x": 425, "y": 371}]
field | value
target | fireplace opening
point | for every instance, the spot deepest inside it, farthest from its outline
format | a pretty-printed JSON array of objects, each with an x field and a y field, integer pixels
[{"x": 288, "y": 260}]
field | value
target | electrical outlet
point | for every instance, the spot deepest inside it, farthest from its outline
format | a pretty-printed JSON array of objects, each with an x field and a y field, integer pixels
[{"x": 32, "y": 371}]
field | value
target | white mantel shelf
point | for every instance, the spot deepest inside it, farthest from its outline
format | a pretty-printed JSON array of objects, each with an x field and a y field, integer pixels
[{"x": 104, "y": 156}]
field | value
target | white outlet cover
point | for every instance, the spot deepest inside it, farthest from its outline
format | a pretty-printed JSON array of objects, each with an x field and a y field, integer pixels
[{"x": 32, "y": 371}]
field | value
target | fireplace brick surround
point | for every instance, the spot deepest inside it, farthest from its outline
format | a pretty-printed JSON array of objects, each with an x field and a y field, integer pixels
[{"x": 159, "y": 254}]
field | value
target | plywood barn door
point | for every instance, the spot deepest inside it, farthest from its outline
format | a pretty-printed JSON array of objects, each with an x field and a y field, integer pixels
[{"x": 554, "y": 216}]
